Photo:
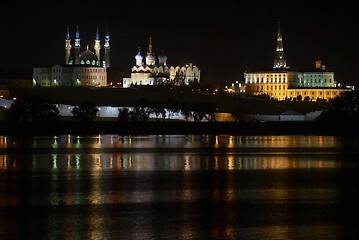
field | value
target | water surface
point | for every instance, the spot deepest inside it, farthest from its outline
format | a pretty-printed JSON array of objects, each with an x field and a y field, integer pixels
[{"x": 178, "y": 187}]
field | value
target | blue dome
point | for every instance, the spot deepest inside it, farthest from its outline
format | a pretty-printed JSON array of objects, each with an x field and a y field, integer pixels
[{"x": 138, "y": 56}]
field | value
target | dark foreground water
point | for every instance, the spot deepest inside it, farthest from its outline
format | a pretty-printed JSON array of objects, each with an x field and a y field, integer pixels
[{"x": 179, "y": 187}]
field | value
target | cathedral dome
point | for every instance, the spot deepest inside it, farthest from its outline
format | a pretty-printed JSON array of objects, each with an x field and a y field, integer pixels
[
  {"x": 150, "y": 57},
  {"x": 88, "y": 56},
  {"x": 162, "y": 58},
  {"x": 139, "y": 56}
]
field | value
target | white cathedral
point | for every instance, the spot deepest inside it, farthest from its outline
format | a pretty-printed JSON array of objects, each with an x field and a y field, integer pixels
[
  {"x": 85, "y": 68},
  {"x": 148, "y": 71}
]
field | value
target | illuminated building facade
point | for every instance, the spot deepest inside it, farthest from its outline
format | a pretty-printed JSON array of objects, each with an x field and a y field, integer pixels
[
  {"x": 70, "y": 75},
  {"x": 85, "y": 68},
  {"x": 281, "y": 82},
  {"x": 148, "y": 71}
]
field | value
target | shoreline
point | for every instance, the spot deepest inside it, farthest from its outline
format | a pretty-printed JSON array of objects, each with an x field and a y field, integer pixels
[{"x": 177, "y": 128}]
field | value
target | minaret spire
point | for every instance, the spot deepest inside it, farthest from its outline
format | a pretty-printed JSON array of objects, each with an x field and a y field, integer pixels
[
  {"x": 77, "y": 46},
  {"x": 97, "y": 37},
  {"x": 68, "y": 34},
  {"x": 97, "y": 47},
  {"x": 107, "y": 50},
  {"x": 279, "y": 61},
  {"x": 68, "y": 48}
]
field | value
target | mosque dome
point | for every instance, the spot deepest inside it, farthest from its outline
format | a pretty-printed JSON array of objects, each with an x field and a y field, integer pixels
[{"x": 88, "y": 56}]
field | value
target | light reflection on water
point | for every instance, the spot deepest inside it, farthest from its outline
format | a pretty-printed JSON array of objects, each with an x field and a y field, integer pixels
[
  {"x": 165, "y": 162},
  {"x": 282, "y": 187},
  {"x": 172, "y": 141}
]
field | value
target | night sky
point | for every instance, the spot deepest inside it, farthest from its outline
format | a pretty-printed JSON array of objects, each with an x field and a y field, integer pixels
[{"x": 221, "y": 37}]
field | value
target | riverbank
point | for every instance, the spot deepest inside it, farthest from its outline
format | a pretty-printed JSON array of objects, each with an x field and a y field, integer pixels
[{"x": 170, "y": 128}]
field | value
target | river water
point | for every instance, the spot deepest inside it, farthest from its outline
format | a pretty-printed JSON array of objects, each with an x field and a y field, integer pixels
[{"x": 179, "y": 187}]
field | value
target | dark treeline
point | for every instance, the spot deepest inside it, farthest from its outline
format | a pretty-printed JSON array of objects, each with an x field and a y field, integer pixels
[
  {"x": 344, "y": 110},
  {"x": 35, "y": 115},
  {"x": 39, "y": 109}
]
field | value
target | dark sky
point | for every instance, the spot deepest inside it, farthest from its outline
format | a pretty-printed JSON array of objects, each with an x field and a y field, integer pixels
[{"x": 221, "y": 37}]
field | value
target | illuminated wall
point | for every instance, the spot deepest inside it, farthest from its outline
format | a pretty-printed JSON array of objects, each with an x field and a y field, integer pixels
[
  {"x": 69, "y": 75},
  {"x": 286, "y": 84},
  {"x": 316, "y": 93}
]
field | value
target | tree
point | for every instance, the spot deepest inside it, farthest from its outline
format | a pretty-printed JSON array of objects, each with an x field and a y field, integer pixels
[
  {"x": 157, "y": 108},
  {"x": 185, "y": 111},
  {"x": 203, "y": 110},
  {"x": 123, "y": 115},
  {"x": 348, "y": 100},
  {"x": 172, "y": 107},
  {"x": 33, "y": 109},
  {"x": 85, "y": 112},
  {"x": 139, "y": 114}
]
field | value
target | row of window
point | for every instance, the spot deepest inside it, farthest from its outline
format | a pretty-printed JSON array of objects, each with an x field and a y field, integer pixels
[
  {"x": 46, "y": 84},
  {"x": 328, "y": 93},
  {"x": 269, "y": 80},
  {"x": 275, "y": 87},
  {"x": 71, "y": 70}
]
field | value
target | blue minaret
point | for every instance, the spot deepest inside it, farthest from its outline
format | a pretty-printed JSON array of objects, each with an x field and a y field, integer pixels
[
  {"x": 68, "y": 48},
  {"x": 77, "y": 46},
  {"x": 107, "y": 50}
]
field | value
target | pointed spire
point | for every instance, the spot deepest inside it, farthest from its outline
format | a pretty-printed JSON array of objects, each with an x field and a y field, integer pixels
[
  {"x": 150, "y": 46},
  {"x": 279, "y": 33},
  {"x": 68, "y": 34},
  {"x": 97, "y": 37},
  {"x": 139, "y": 50},
  {"x": 77, "y": 33},
  {"x": 279, "y": 61},
  {"x": 107, "y": 36},
  {"x": 87, "y": 47}
]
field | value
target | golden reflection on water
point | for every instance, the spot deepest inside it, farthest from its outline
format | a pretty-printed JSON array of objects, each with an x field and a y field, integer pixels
[
  {"x": 186, "y": 162},
  {"x": 173, "y": 141}
]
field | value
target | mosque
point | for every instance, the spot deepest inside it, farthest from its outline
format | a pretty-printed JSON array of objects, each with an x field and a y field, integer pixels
[
  {"x": 148, "y": 71},
  {"x": 282, "y": 82},
  {"x": 86, "y": 68}
]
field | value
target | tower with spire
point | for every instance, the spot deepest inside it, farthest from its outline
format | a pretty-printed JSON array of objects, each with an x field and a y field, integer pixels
[
  {"x": 107, "y": 50},
  {"x": 68, "y": 47},
  {"x": 279, "y": 61},
  {"x": 77, "y": 46},
  {"x": 87, "y": 57},
  {"x": 97, "y": 46}
]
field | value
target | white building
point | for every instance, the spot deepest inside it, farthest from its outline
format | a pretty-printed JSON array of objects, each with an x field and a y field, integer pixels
[
  {"x": 70, "y": 75},
  {"x": 148, "y": 71}
]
